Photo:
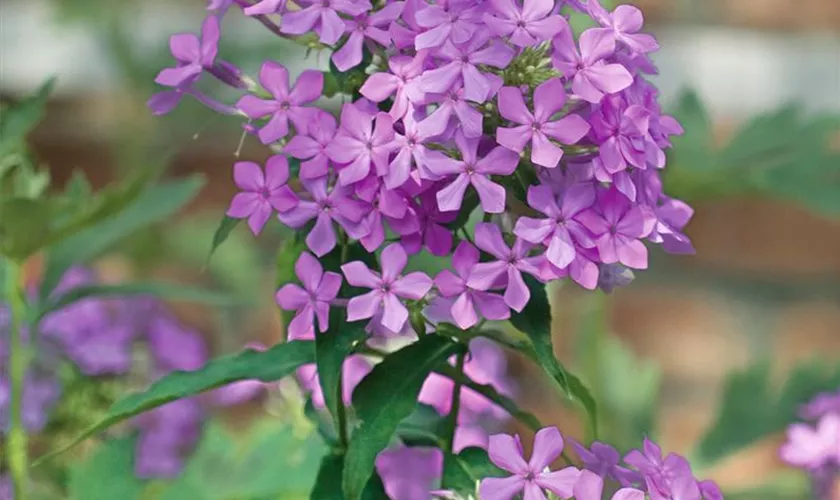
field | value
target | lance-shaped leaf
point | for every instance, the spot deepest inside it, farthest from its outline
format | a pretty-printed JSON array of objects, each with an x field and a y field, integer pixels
[
  {"x": 462, "y": 472},
  {"x": 385, "y": 397},
  {"x": 268, "y": 366},
  {"x": 331, "y": 349}
]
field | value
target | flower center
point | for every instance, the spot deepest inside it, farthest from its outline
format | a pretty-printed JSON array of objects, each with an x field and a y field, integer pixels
[
  {"x": 265, "y": 193},
  {"x": 520, "y": 24},
  {"x": 285, "y": 105}
]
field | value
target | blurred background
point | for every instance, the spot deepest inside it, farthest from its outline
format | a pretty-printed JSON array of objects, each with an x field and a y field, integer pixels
[{"x": 764, "y": 285}]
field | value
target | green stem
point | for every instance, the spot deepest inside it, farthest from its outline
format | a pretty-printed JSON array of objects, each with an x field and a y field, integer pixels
[
  {"x": 452, "y": 419},
  {"x": 343, "y": 438},
  {"x": 19, "y": 359}
]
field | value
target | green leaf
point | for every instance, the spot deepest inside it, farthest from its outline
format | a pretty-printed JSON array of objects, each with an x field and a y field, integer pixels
[
  {"x": 269, "y": 366},
  {"x": 331, "y": 349},
  {"x": 535, "y": 322},
  {"x": 17, "y": 121},
  {"x": 328, "y": 488},
  {"x": 168, "y": 291},
  {"x": 155, "y": 204},
  {"x": 107, "y": 474},
  {"x": 422, "y": 428},
  {"x": 24, "y": 227},
  {"x": 752, "y": 409},
  {"x": 226, "y": 225},
  {"x": 270, "y": 461},
  {"x": 462, "y": 472},
  {"x": 387, "y": 395}
]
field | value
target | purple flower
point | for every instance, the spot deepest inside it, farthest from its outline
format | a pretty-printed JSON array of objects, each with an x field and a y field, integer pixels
[
  {"x": 363, "y": 27},
  {"x": 286, "y": 104},
  {"x": 410, "y": 149},
  {"x": 328, "y": 206},
  {"x": 452, "y": 102},
  {"x": 561, "y": 232},
  {"x": 323, "y": 16},
  {"x": 511, "y": 263},
  {"x": 456, "y": 21},
  {"x": 590, "y": 486},
  {"x": 40, "y": 394},
  {"x": 463, "y": 64},
  {"x": 528, "y": 25},
  {"x": 261, "y": 193},
  {"x": 619, "y": 229},
  {"x": 193, "y": 55},
  {"x": 387, "y": 205},
  {"x": 531, "y": 477},
  {"x": 622, "y": 134},
  {"x": 354, "y": 369},
  {"x": 612, "y": 276},
  {"x": 387, "y": 288},
  {"x": 624, "y": 24},
  {"x": 107, "y": 352},
  {"x": 603, "y": 460},
  {"x": 671, "y": 217},
  {"x": 408, "y": 473},
  {"x": 167, "y": 434},
  {"x": 362, "y": 141},
  {"x": 591, "y": 76},
  {"x": 666, "y": 478},
  {"x": 265, "y": 7},
  {"x": 536, "y": 128},
  {"x": 811, "y": 447},
  {"x": 402, "y": 82},
  {"x": 823, "y": 404},
  {"x": 490, "y": 305},
  {"x": 313, "y": 147},
  {"x": 474, "y": 171},
  {"x": 432, "y": 234},
  {"x": 311, "y": 301},
  {"x": 173, "y": 345}
]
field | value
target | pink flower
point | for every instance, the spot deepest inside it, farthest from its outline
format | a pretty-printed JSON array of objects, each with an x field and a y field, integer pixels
[
  {"x": 313, "y": 147},
  {"x": 322, "y": 15},
  {"x": 590, "y": 486},
  {"x": 451, "y": 103},
  {"x": 810, "y": 447},
  {"x": 469, "y": 299},
  {"x": 362, "y": 141},
  {"x": 591, "y": 76},
  {"x": 624, "y": 24},
  {"x": 387, "y": 289},
  {"x": 363, "y": 27},
  {"x": 286, "y": 105},
  {"x": 193, "y": 54},
  {"x": 265, "y": 7},
  {"x": 538, "y": 127},
  {"x": 476, "y": 172},
  {"x": 456, "y": 21},
  {"x": 619, "y": 229},
  {"x": 402, "y": 82},
  {"x": 311, "y": 301},
  {"x": 528, "y": 25},
  {"x": 262, "y": 193},
  {"x": 532, "y": 476}
]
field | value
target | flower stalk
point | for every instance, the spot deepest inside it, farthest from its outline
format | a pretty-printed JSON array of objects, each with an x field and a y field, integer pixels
[{"x": 17, "y": 451}]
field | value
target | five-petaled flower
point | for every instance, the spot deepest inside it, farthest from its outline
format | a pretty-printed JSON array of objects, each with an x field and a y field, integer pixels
[
  {"x": 310, "y": 301},
  {"x": 262, "y": 193}
]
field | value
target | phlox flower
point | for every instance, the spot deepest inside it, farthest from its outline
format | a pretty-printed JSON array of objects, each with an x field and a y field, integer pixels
[
  {"x": 322, "y": 15},
  {"x": 363, "y": 141},
  {"x": 590, "y": 486},
  {"x": 591, "y": 76},
  {"x": 619, "y": 228},
  {"x": 387, "y": 288},
  {"x": 402, "y": 82},
  {"x": 192, "y": 53},
  {"x": 312, "y": 300},
  {"x": 262, "y": 193},
  {"x": 312, "y": 147},
  {"x": 624, "y": 24},
  {"x": 535, "y": 21},
  {"x": 365, "y": 26},
  {"x": 455, "y": 21},
  {"x": 265, "y": 7}
]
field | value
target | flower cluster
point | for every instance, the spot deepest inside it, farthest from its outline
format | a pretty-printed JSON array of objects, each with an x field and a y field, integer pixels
[
  {"x": 815, "y": 447},
  {"x": 646, "y": 474},
  {"x": 460, "y": 106},
  {"x": 97, "y": 336}
]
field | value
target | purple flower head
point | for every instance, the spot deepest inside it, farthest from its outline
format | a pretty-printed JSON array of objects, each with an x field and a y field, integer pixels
[
  {"x": 667, "y": 478},
  {"x": 264, "y": 7},
  {"x": 167, "y": 434},
  {"x": 107, "y": 352},
  {"x": 366, "y": 27},
  {"x": 262, "y": 193},
  {"x": 387, "y": 288},
  {"x": 602, "y": 459},
  {"x": 410, "y": 150},
  {"x": 811, "y": 447},
  {"x": 455, "y": 21},
  {"x": 591, "y": 76},
  {"x": 362, "y": 141},
  {"x": 533, "y": 476},
  {"x": 312, "y": 300},
  {"x": 287, "y": 104},
  {"x": 623, "y": 24},
  {"x": 561, "y": 232},
  {"x": 461, "y": 64},
  {"x": 326, "y": 206},
  {"x": 387, "y": 206},
  {"x": 322, "y": 15},
  {"x": 619, "y": 228},
  {"x": 590, "y": 486},
  {"x": 470, "y": 302},
  {"x": 511, "y": 263},
  {"x": 622, "y": 134},
  {"x": 538, "y": 127},
  {"x": 453, "y": 102},
  {"x": 474, "y": 171},
  {"x": 313, "y": 147},
  {"x": 525, "y": 26},
  {"x": 193, "y": 55},
  {"x": 402, "y": 82},
  {"x": 173, "y": 345}
]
